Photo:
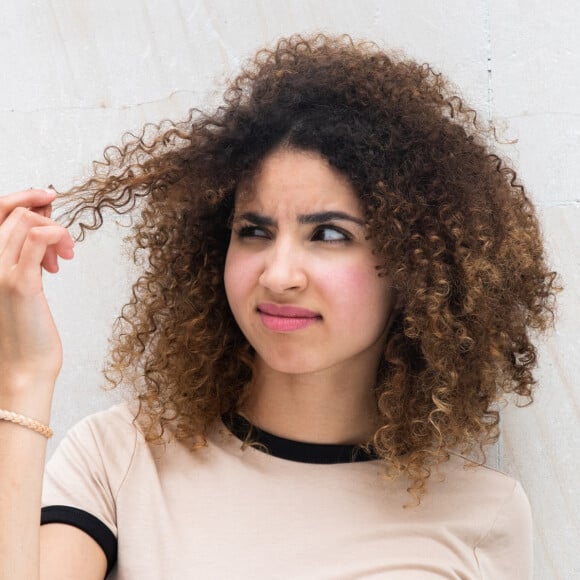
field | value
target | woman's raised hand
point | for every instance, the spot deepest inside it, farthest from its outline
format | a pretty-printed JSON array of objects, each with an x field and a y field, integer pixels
[{"x": 30, "y": 347}]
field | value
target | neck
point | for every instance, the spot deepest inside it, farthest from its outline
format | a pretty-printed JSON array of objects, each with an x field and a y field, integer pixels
[{"x": 326, "y": 407}]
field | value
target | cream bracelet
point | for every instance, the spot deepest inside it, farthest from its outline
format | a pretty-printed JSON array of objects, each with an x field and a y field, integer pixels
[{"x": 26, "y": 422}]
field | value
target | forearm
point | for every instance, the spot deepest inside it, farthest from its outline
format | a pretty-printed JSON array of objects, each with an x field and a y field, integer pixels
[
  {"x": 22, "y": 454},
  {"x": 30, "y": 360}
]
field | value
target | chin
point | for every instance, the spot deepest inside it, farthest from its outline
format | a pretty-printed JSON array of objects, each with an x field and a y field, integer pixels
[{"x": 291, "y": 365}]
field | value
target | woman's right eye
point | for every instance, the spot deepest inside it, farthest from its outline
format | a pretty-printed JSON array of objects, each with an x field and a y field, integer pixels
[{"x": 252, "y": 232}]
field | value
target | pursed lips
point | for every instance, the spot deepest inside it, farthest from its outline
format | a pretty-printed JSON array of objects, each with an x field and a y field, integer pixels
[
  {"x": 286, "y": 311},
  {"x": 285, "y": 318}
]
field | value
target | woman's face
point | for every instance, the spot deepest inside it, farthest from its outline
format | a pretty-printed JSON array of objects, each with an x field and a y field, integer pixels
[{"x": 300, "y": 274}]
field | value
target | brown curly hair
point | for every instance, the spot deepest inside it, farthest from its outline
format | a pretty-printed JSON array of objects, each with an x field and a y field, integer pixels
[{"x": 453, "y": 228}]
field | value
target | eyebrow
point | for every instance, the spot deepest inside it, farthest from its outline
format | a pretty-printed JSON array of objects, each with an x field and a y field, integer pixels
[{"x": 309, "y": 218}]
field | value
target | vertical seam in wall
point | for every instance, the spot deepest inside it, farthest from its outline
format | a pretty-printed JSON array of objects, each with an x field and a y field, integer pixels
[
  {"x": 487, "y": 28},
  {"x": 489, "y": 65}
]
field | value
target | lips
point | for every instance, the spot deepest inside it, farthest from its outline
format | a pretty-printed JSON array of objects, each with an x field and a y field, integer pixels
[
  {"x": 286, "y": 311},
  {"x": 286, "y": 319}
]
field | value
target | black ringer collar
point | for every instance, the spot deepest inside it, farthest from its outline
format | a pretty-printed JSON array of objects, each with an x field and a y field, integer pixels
[{"x": 325, "y": 453}]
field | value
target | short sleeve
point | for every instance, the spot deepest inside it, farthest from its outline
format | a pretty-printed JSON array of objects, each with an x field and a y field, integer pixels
[
  {"x": 83, "y": 477},
  {"x": 506, "y": 550}
]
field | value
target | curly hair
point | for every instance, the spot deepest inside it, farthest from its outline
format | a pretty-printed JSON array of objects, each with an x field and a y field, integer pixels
[{"x": 452, "y": 226}]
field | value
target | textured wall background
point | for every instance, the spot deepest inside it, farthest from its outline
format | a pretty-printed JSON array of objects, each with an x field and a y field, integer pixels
[{"x": 75, "y": 74}]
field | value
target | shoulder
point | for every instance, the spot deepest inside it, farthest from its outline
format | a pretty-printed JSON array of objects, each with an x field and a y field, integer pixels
[
  {"x": 491, "y": 503},
  {"x": 500, "y": 506},
  {"x": 465, "y": 470},
  {"x": 491, "y": 487},
  {"x": 510, "y": 513},
  {"x": 116, "y": 421},
  {"x": 100, "y": 443}
]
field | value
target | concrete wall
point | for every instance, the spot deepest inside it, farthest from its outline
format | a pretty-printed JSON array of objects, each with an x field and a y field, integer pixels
[{"x": 75, "y": 74}]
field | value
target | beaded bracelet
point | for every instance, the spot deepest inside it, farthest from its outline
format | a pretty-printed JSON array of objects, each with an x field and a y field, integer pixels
[{"x": 26, "y": 422}]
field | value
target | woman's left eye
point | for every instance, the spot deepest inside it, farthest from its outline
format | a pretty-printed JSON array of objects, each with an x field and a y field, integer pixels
[{"x": 330, "y": 234}]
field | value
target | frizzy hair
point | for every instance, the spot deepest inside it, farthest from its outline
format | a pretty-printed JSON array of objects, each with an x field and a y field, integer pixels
[{"x": 452, "y": 226}]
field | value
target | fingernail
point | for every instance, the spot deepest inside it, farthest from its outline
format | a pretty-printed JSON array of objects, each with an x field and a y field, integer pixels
[{"x": 50, "y": 192}]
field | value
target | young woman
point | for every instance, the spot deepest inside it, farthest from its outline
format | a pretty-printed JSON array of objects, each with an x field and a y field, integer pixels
[{"x": 339, "y": 279}]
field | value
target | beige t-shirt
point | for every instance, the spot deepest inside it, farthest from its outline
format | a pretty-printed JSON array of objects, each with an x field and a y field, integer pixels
[{"x": 227, "y": 512}]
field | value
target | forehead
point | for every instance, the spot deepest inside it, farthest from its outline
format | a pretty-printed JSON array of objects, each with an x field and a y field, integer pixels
[{"x": 294, "y": 182}]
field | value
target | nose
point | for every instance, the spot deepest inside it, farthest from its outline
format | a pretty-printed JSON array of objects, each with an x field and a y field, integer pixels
[{"x": 283, "y": 269}]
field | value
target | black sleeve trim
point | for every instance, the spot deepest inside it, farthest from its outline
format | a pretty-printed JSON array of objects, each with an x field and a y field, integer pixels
[{"x": 88, "y": 523}]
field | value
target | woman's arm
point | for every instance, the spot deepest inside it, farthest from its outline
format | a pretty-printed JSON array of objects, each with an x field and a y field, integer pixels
[
  {"x": 30, "y": 360},
  {"x": 21, "y": 467},
  {"x": 67, "y": 553},
  {"x": 28, "y": 551}
]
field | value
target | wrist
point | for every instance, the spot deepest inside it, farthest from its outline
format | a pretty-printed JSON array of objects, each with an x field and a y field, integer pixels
[
  {"x": 27, "y": 422},
  {"x": 30, "y": 398}
]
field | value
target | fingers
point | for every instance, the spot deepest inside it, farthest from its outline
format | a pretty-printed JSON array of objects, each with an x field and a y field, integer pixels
[
  {"x": 22, "y": 235},
  {"x": 45, "y": 210},
  {"x": 34, "y": 249},
  {"x": 34, "y": 199},
  {"x": 50, "y": 260}
]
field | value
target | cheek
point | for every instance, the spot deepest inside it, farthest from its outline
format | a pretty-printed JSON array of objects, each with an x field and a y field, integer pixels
[
  {"x": 239, "y": 275},
  {"x": 355, "y": 288}
]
